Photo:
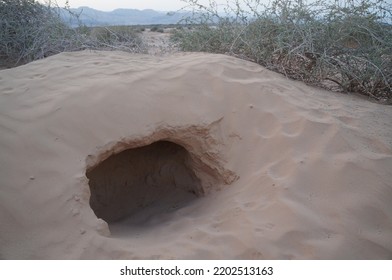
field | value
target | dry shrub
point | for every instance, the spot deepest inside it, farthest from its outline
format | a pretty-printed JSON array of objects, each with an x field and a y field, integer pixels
[
  {"x": 124, "y": 38},
  {"x": 30, "y": 30},
  {"x": 341, "y": 45}
]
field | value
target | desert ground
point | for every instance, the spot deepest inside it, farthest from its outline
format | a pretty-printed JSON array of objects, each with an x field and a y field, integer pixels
[
  {"x": 158, "y": 43},
  {"x": 111, "y": 155}
]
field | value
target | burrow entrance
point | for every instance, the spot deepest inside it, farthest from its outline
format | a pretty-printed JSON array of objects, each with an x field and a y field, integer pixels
[{"x": 154, "y": 178}]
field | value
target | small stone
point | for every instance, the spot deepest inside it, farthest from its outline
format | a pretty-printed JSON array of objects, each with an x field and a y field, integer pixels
[
  {"x": 32, "y": 178},
  {"x": 82, "y": 231}
]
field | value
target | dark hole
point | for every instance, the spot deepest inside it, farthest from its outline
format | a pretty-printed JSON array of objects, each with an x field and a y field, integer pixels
[{"x": 143, "y": 182}]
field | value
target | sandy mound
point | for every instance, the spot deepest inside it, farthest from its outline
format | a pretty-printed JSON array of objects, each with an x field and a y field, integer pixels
[{"x": 110, "y": 155}]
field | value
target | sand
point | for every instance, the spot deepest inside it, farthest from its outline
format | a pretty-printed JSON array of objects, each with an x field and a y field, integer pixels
[{"x": 109, "y": 155}]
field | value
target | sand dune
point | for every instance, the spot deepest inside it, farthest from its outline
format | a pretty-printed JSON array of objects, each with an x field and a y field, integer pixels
[{"x": 108, "y": 155}]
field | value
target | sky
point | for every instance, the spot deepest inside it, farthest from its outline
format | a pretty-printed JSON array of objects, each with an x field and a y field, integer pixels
[{"x": 110, "y": 5}]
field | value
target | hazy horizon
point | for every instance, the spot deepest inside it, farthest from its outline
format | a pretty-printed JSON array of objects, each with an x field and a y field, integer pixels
[{"x": 105, "y": 5}]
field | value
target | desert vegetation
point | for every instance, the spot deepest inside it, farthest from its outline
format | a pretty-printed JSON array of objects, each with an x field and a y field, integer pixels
[
  {"x": 340, "y": 45},
  {"x": 124, "y": 38},
  {"x": 30, "y": 30}
]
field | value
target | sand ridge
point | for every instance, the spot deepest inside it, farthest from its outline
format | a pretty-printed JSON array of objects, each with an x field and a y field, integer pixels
[{"x": 292, "y": 172}]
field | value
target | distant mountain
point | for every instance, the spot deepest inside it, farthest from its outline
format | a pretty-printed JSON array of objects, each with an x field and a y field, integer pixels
[{"x": 92, "y": 17}]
